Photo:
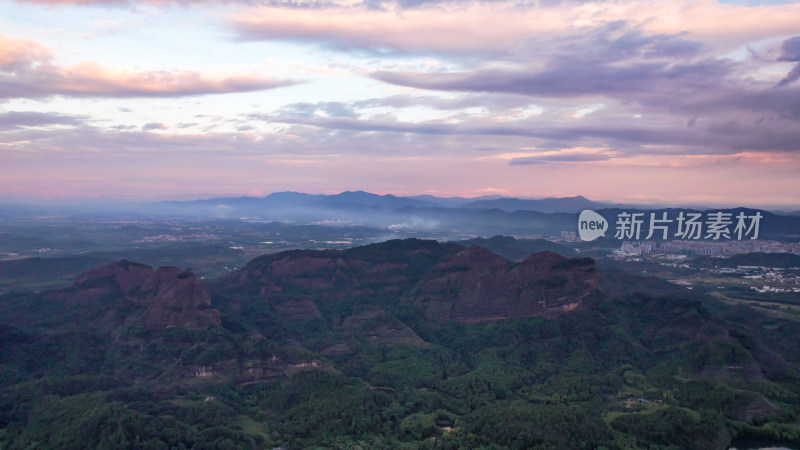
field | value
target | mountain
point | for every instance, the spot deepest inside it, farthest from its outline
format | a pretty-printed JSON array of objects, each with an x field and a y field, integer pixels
[
  {"x": 157, "y": 299},
  {"x": 298, "y": 205},
  {"x": 415, "y": 216},
  {"x": 546, "y": 205},
  {"x": 443, "y": 281},
  {"x": 281, "y": 202},
  {"x": 477, "y": 285},
  {"x": 453, "y": 202},
  {"x": 402, "y": 344},
  {"x": 361, "y": 198},
  {"x": 40, "y": 272},
  {"x": 517, "y": 249}
]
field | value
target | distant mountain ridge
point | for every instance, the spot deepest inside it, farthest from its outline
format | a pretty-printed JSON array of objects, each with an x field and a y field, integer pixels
[
  {"x": 389, "y": 201},
  {"x": 423, "y": 216},
  {"x": 292, "y": 201},
  {"x": 546, "y": 205}
]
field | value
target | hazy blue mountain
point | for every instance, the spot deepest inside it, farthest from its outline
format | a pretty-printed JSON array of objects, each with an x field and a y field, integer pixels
[
  {"x": 486, "y": 217},
  {"x": 548, "y": 205},
  {"x": 453, "y": 202},
  {"x": 368, "y": 199}
]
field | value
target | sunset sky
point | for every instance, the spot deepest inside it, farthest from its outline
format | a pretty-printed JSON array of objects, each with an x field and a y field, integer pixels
[{"x": 677, "y": 101}]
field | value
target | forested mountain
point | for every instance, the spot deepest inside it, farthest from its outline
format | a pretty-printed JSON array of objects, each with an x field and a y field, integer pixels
[{"x": 403, "y": 344}]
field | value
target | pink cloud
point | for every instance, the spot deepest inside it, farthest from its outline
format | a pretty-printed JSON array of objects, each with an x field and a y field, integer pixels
[
  {"x": 502, "y": 27},
  {"x": 98, "y": 2},
  {"x": 474, "y": 28},
  {"x": 83, "y": 161},
  {"x": 16, "y": 53},
  {"x": 27, "y": 70}
]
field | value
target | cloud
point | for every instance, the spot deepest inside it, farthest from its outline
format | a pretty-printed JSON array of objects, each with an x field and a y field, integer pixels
[
  {"x": 27, "y": 70},
  {"x": 790, "y": 50},
  {"x": 471, "y": 28},
  {"x": 569, "y": 78},
  {"x": 762, "y": 102},
  {"x": 87, "y": 142},
  {"x": 188, "y": 3},
  {"x": 613, "y": 59},
  {"x": 515, "y": 90},
  {"x": 134, "y": 163},
  {"x": 791, "y": 77},
  {"x": 307, "y": 109},
  {"x": 16, "y": 120},
  {"x": 659, "y": 133},
  {"x": 565, "y": 157},
  {"x": 499, "y": 103},
  {"x": 611, "y": 41},
  {"x": 486, "y": 28},
  {"x": 107, "y": 2},
  {"x": 154, "y": 126},
  {"x": 663, "y": 78},
  {"x": 20, "y": 53}
]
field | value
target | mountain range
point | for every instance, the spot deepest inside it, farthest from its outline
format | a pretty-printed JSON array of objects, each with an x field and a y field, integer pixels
[
  {"x": 426, "y": 216},
  {"x": 355, "y": 199},
  {"x": 401, "y": 344},
  {"x": 296, "y": 203}
]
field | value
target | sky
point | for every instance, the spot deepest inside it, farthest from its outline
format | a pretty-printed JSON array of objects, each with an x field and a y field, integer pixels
[{"x": 673, "y": 101}]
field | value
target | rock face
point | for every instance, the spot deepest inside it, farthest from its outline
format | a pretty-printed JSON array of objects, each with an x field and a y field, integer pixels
[
  {"x": 157, "y": 299},
  {"x": 478, "y": 286},
  {"x": 381, "y": 329},
  {"x": 295, "y": 283},
  {"x": 300, "y": 310},
  {"x": 443, "y": 281}
]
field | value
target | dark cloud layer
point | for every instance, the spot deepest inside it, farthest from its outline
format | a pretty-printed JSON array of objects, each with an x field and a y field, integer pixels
[
  {"x": 630, "y": 136},
  {"x": 790, "y": 49},
  {"x": 567, "y": 79}
]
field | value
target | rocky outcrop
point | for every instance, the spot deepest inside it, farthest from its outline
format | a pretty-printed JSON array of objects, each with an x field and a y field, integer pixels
[
  {"x": 294, "y": 283},
  {"x": 330, "y": 273},
  {"x": 479, "y": 286},
  {"x": 444, "y": 281},
  {"x": 176, "y": 298},
  {"x": 377, "y": 327},
  {"x": 131, "y": 292},
  {"x": 297, "y": 310}
]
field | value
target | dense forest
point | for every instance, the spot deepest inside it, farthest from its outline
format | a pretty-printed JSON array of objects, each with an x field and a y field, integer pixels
[{"x": 360, "y": 363}]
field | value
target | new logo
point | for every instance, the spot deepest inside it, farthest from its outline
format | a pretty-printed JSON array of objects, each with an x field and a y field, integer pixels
[{"x": 591, "y": 225}]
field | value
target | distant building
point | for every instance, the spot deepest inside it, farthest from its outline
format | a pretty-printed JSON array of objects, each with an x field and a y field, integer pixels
[{"x": 628, "y": 248}]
